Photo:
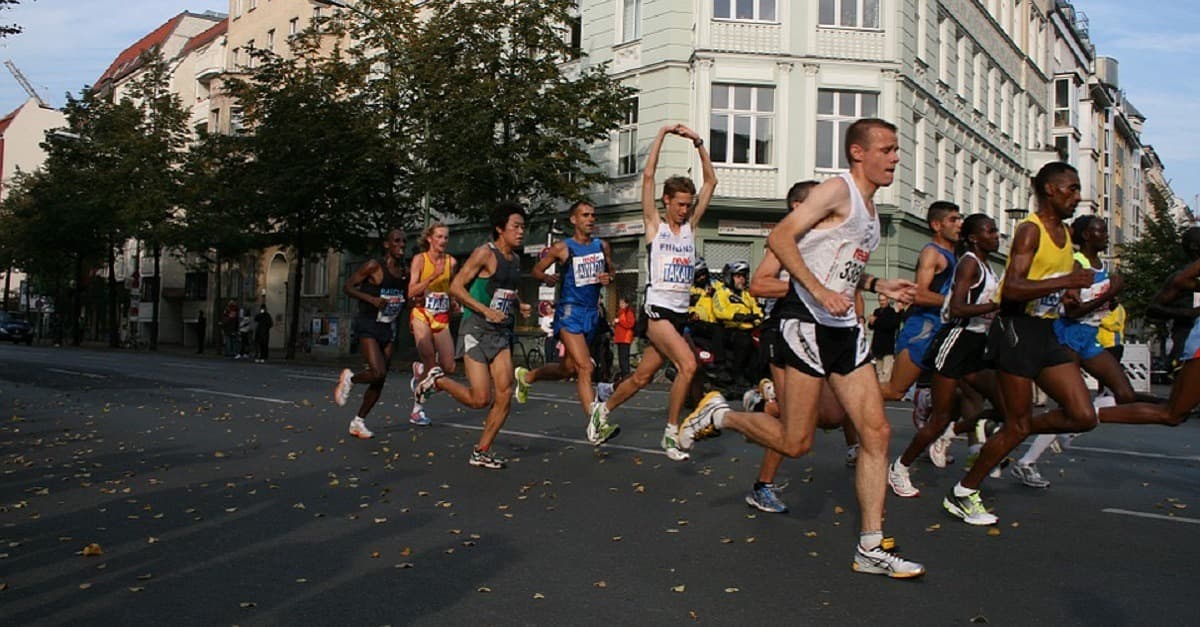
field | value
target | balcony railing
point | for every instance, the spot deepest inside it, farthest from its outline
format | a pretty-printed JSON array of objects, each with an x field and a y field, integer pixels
[
  {"x": 847, "y": 43},
  {"x": 763, "y": 37}
]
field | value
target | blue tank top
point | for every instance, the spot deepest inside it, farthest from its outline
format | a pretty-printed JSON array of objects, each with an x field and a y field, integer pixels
[
  {"x": 941, "y": 281},
  {"x": 581, "y": 278}
]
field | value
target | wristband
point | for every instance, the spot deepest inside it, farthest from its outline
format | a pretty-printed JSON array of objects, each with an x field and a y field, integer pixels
[
  {"x": 698, "y": 143},
  {"x": 871, "y": 284}
]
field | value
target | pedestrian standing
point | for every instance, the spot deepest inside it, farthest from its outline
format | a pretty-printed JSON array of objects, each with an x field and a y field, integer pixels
[
  {"x": 623, "y": 334},
  {"x": 229, "y": 326},
  {"x": 245, "y": 326},
  {"x": 262, "y": 334},
  {"x": 884, "y": 323}
]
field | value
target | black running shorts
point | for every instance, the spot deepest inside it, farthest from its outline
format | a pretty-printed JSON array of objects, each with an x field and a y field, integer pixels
[
  {"x": 820, "y": 351},
  {"x": 654, "y": 312},
  {"x": 956, "y": 352},
  {"x": 1024, "y": 345}
]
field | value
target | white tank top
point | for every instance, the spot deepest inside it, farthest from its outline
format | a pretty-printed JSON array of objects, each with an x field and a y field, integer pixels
[
  {"x": 982, "y": 291},
  {"x": 671, "y": 258},
  {"x": 837, "y": 256}
]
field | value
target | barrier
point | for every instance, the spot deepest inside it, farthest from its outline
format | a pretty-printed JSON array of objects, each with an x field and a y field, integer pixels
[{"x": 1136, "y": 363}]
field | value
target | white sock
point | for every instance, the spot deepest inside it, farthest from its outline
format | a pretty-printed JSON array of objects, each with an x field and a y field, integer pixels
[
  {"x": 900, "y": 464},
  {"x": 417, "y": 407},
  {"x": 961, "y": 491},
  {"x": 870, "y": 539},
  {"x": 1039, "y": 446},
  {"x": 719, "y": 418}
]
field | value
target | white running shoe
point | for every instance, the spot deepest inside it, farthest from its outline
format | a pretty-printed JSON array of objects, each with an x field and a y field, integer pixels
[
  {"x": 900, "y": 481},
  {"x": 922, "y": 407},
  {"x": 881, "y": 561},
  {"x": 424, "y": 387},
  {"x": 1029, "y": 475},
  {"x": 751, "y": 399},
  {"x": 852, "y": 455},
  {"x": 359, "y": 429},
  {"x": 939, "y": 447},
  {"x": 341, "y": 391},
  {"x": 670, "y": 444},
  {"x": 702, "y": 422}
]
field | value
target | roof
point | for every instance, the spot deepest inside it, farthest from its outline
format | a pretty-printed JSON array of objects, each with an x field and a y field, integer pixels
[
  {"x": 127, "y": 60},
  {"x": 8, "y": 119},
  {"x": 199, "y": 41}
]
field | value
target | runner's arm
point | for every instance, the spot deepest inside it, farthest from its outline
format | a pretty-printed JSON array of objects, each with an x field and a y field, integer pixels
[
  {"x": 822, "y": 202},
  {"x": 1017, "y": 284},
  {"x": 476, "y": 264},
  {"x": 610, "y": 268},
  {"x": 558, "y": 252},
  {"x": 710, "y": 174},
  {"x": 766, "y": 282},
  {"x": 650, "y": 217},
  {"x": 929, "y": 263},
  {"x": 965, "y": 276},
  {"x": 363, "y": 273}
]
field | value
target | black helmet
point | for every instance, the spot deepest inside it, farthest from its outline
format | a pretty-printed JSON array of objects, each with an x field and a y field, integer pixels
[{"x": 700, "y": 265}]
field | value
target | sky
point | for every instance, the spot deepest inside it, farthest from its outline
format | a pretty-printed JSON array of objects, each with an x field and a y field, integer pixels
[{"x": 68, "y": 43}]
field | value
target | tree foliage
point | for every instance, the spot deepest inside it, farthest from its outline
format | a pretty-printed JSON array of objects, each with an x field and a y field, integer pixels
[
  {"x": 9, "y": 29},
  {"x": 1147, "y": 262}
]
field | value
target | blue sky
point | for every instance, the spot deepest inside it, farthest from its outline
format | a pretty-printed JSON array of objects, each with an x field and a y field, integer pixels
[{"x": 68, "y": 43}]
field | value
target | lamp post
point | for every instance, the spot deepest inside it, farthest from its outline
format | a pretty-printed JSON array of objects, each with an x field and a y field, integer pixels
[
  {"x": 383, "y": 32},
  {"x": 1015, "y": 215}
]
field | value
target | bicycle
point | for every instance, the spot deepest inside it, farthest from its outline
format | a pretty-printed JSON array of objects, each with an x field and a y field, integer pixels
[{"x": 532, "y": 357}]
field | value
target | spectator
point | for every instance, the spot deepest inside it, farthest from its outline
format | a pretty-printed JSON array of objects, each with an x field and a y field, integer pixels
[
  {"x": 623, "y": 334},
  {"x": 884, "y": 322},
  {"x": 201, "y": 331},
  {"x": 738, "y": 311},
  {"x": 262, "y": 334},
  {"x": 229, "y": 325},
  {"x": 245, "y": 326}
]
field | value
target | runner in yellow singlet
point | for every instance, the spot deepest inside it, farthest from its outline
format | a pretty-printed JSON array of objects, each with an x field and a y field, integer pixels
[{"x": 429, "y": 291}]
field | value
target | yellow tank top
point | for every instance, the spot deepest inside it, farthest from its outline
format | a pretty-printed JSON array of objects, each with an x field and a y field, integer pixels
[
  {"x": 1049, "y": 261},
  {"x": 441, "y": 283}
]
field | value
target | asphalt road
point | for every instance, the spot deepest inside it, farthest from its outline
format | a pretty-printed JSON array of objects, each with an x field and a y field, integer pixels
[{"x": 225, "y": 492}]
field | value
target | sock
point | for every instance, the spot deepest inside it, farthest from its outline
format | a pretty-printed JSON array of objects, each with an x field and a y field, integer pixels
[
  {"x": 719, "y": 417},
  {"x": 482, "y": 449},
  {"x": 758, "y": 485},
  {"x": 417, "y": 407},
  {"x": 900, "y": 464},
  {"x": 961, "y": 491},
  {"x": 870, "y": 539},
  {"x": 1039, "y": 446}
]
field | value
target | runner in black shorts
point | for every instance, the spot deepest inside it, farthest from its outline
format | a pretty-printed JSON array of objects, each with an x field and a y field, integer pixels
[
  {"x": 825, "y": 245},
  {"x": 957, "y": 352},
  {"x": 380, "y": 287}
]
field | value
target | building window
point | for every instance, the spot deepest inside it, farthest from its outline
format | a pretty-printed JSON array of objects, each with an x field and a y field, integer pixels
[
  {"x": 627, "y": 139},
  {"x": 1063, "y": 102},
  {"x": 964, "y": 47},
  {"x": 748, "y": 10},
  {"x": 1005, "y": 103},
  {"x": 743, "y": 124},
  {"x": 942, "y": 167},
  {"x": 251, "y": 5},
  {"x": 945, "y": 41},
  {"x": 315, "y": 277},
  {"x": 293, "y": 26},
  {"x": 977, "y": 82},
  {"x": 195, "y": 286},
  {"x": 849, "y": 13},
  {"x": 836, "y": 111},
  {"x": 271, "y": 40},
  {"x": 250, "y": 53},
  {"x": 631, "y": 20},
  {"x": 919, "y": 150},
  {"x": 237, "y": 8}
]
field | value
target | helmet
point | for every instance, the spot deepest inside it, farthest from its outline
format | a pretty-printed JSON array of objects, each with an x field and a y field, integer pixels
[
  {"x": 735, "y": 267},
  {"x": 700, "y": 265}
]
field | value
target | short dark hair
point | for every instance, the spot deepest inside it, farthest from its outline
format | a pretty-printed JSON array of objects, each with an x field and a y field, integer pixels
[
  {"x": 500, "y": 216},
  {"x": 799, "y": 192},
  {"x": 971, "y": 225},
  {"x": 1080, "y": 225},
  {"x": 677, "y": 184},
  {"x": 860, "y": 130},
  {"x": 1049, "y": 172},
  {"x": 577, "y": 204},
  {"x": 940, "y": 209}
]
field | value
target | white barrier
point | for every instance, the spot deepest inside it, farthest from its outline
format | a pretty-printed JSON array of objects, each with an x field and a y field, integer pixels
[{"x": 1136, "y": 363}]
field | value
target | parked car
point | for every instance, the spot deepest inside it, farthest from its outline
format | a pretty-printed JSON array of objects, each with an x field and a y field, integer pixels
[{"x": 15, "y": 329}]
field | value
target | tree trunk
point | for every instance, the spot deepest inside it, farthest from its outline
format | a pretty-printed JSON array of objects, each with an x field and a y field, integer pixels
[
  {"x": 110, "y": 297},
  {"x": 77, "y": 304},
  {"x": 294, "y": 305},
  {"x": 156, "y": 297},
  {"x": 7, "y": 283},
  {"x": 215, "y": 319}
]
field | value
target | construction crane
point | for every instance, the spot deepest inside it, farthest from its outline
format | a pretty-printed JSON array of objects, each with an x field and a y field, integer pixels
[{"x": 25, "y": 84}]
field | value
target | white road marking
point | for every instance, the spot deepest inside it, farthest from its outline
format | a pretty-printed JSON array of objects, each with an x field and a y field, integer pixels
[
  {"x": 312, "y": 377},
  {"x": 1125, "y": 512},
  {"x": 253, "y": 398},
  {"x": 572, "y": 399},
  {"x": 182, "y": 364},
  {"x": 77, "y": 373},
  {"x": 1115, "y": 451},
  {"x": 541, "y": 436}
]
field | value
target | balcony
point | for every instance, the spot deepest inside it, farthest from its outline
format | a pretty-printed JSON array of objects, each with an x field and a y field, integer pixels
[
  {"x": 846, "y": 43},
  {"x": 759, "y": 37},
  {"x": 208, "y": 73},
  {"x": 747, "y": 181}
]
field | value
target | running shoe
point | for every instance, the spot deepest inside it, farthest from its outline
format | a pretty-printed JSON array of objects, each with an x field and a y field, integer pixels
[
  {"x": 341, "y": 391},
  {"x": 939, "y": 447},
  {"x": 1029, "y": 475},
  {"x": 487, "y": 459},
  {"x": 898, "y": 478},
  {"x": 852, "y": 455},
  {"x": 766, "y": 499},
  {"x": 1063, "y": 442},
  {"x": 599, "y": 430},
  {"x": 701, "y": 423},
  {"x": 670, "y": 444},
  {"x": 766, "y": 387},
  {"x": 418, "y": 418},
  {"x": 922, "y": 407},
  {"x": 751, "y": 399},
  {"x": 969, "y": 509},
  {"x": 604, "y": 391},
  {"x": 521, "y": 390},
  {"x": 881, "y": 561},
  {"x": 425, "y": 387},
  {"x": 359, "y": 429}
]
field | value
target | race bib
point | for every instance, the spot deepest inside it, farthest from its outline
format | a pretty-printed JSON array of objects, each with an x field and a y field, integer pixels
[
  {"x": 675, "y": 274},
  {"x": 587, "y": 268},
  {"x": 395, "y": 303},
  {"x": 847, "y": 269},
  {"x": 437, "y": 302},
  {"x": 1048, "y": 305},
  {"x": 503, "y": 300}
]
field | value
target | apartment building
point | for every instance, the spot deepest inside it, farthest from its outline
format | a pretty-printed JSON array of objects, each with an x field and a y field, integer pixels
[{"x": 772, "y": 87}]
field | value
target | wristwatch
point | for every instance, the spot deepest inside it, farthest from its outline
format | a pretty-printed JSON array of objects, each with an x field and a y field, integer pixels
[{"x": 698, "y": 143}]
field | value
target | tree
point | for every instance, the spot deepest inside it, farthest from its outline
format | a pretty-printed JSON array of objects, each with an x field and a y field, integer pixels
[
  {"x": 9, "y": 29},
  {"x": 1147, "y": 262},
  {"x": 316, "y": 165},
  {"x": 483, "y": 106}
]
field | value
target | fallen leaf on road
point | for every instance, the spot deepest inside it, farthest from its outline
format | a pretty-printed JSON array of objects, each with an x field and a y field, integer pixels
[
  {"x": 374, "y": 554},
  {"x": 145, "y": 577},
  {"x": 538, "y": 595},
  {"x": 993, "y": 531},
  {"x": 136, "y": 589},
  {"x": 934, "y": 527},
  {"x": 979, "y": 619},
  {"x": 837, "y": 509},
  {"x": 82, "y": 586},
  {"x": 679, "y": 588},
  {"x": 247, "y": 604},
  {"x": 406, "y": 551},
  {"x": 731, "y": 590},
  {"x": 92, "y": 550},
  {"x": 600, "y": 584},
  {"x": 483, "y": 589},
  {"x": 726, "y": 540}
]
